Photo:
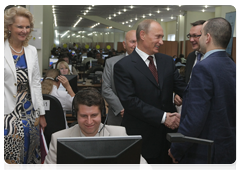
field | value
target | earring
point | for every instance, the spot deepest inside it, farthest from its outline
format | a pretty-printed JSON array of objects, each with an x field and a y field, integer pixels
[{"x": 9, "y": 32}]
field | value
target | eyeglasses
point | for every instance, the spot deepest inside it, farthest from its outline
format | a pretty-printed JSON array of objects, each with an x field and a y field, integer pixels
[{"x": 193, "y": 36}]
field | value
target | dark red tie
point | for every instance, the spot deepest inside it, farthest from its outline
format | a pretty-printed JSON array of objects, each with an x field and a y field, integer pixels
[{"x": 153, "y": 68}]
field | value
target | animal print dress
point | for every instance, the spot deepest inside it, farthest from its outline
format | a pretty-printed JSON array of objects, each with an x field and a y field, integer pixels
[{"x": 21, "y": 127}]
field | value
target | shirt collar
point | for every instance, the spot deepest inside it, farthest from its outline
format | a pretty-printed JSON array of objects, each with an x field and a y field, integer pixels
[
  {"x": 142, "y": 54},
  {"x": 210, "y": 52}
]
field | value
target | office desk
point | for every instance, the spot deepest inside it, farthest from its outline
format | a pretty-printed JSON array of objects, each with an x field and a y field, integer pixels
[{"x": 87, "y": 84}]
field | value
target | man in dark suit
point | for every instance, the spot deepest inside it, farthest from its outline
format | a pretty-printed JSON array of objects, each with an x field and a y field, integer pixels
[
  {"x": 209, "y": 102},
  {"x": 194, "y": 34},
  {"x": 145, "y": 81}
]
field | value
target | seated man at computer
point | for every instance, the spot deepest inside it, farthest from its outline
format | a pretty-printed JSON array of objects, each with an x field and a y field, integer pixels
[{"x": 89, "y": 106}]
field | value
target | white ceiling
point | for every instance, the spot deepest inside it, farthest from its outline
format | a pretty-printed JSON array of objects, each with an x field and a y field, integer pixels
[{"x": 68, "y": 15}]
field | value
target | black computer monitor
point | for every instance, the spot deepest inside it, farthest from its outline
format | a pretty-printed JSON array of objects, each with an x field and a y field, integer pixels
[
  {"x": 99, "y": 150},
  {"x": 73, "y": 82},
  {"x": 94, "y": 62}
]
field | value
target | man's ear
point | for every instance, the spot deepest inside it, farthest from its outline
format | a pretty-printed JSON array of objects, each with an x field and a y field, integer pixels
[
  {"x": 142, "y": 35},
  {"x": 209, "y": 38},
  {"x": 124, "y": 45}
]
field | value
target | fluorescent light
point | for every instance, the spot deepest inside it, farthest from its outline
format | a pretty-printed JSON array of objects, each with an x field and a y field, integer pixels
[
  {"x": 65, "y": 33},
  {"x": 77, "y": 22}
]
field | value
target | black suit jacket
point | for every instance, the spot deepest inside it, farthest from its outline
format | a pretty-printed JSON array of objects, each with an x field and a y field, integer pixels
[
  {"x": 189, "y": 65},
  {"x": 145, "y": 101}
]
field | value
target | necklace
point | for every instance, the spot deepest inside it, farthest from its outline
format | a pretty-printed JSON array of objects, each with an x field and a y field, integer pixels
[
  {"x": 15, "y": 50},
  {"x": 16, "y": 60}
]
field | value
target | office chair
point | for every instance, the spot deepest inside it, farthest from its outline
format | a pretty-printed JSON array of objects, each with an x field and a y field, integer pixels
[{"x": 54, "y": 117}]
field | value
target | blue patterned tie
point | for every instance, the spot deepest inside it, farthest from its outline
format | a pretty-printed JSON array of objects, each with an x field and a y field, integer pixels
[{"x": 199, "y": 55}]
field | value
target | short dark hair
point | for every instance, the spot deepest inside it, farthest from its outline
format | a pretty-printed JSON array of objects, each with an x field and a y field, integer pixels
[
  {"x": 199, "y": 22},
  {"x": 90, "y": 97},
  {"x": 220, "y": 30}
]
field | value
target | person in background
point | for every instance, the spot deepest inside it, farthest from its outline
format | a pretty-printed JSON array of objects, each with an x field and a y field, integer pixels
[
  {"x": 209, "y": 101},
  {"x": 194, "y": 34},
  {"x": 50, "y": 85},
  {"x": 64, "y": 68},
  {"x": 23, "y": 102},
  {"x": 115, "y": 108},
  {"x": 99, "y": 58},
  {"x": 88, "y": 105},
  {"x": 145, "y": 81},
  {"x": 66, "y": 59}
]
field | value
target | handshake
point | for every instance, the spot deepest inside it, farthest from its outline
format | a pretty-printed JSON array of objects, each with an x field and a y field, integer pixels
[{"x": 172, "y": 120}]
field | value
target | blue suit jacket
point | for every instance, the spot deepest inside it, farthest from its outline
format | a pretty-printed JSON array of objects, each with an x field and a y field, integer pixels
[
  {"x": 145, "y": 101},
  {"x": 209, "y": 111}
]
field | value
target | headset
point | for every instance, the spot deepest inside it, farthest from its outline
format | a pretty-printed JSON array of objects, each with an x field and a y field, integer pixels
[
  {"x": 54, "y": 79},
  {"x": 103, "y": 111}
]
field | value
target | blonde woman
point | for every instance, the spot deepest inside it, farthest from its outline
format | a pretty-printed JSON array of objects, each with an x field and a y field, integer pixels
[
  {"x": 64, "y": 68},
  {"x": 50, "y": 85},
  {"x": 23, "y": 103}
]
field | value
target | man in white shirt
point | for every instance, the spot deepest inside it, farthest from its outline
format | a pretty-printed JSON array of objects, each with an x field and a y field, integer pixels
[{"x": 115, "y": 108}]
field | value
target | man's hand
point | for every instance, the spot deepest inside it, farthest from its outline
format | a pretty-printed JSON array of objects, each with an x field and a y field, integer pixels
[
  {"x": 42, "y": 122},
  {"x": 172, "y": 120},
  {"x": 170, "y": 154},
  {"x": 177, "y": 100},
  {"x": 122, "y": 112}
]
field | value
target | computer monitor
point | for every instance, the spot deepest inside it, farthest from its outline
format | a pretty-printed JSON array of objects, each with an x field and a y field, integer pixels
[
  {"x": 99, "y": 150},
  {"x": 73, "y": 82},
  {"x": 52, "y": 61},
  {"x": 70, "y": 67},
  {"x": 104, "y": 55},
  {"x": 83, "y": 57},
  {"x": 93, "y": 62}
]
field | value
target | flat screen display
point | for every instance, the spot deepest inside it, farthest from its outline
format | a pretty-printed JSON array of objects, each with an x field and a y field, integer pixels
[{"x": 99, "y": 150}]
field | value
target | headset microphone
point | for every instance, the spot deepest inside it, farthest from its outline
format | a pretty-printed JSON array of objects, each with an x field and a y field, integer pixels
[{"x": 103, "y": 124}]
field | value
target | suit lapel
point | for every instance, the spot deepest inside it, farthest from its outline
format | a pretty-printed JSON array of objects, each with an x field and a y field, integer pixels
[
  {"x": 9, "y": 58},
  {"x": 160, "y": 69},
  {"x": 141, "y": 66}
]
